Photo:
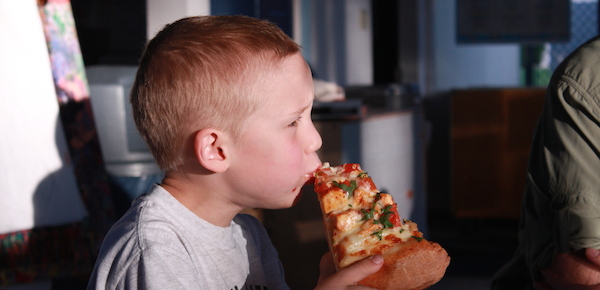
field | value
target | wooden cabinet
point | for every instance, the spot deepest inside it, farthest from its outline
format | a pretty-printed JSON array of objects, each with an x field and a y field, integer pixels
[{"x": 490, "y": 138}]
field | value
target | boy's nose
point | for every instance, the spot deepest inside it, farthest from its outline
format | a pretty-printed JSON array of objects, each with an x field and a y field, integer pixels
[{"x": 314, "y": 140}]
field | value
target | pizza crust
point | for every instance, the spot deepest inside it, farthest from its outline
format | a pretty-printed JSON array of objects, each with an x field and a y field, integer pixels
[
  {"x": 411, "y": 265},
  {"x": 355, "y": 214}
]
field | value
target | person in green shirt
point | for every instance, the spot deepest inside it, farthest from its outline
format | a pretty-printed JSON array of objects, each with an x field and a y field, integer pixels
[{"x": 560, "y": 217}]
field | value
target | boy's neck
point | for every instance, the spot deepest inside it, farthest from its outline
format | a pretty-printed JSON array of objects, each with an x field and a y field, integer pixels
[{"x": 205, "y": 204}]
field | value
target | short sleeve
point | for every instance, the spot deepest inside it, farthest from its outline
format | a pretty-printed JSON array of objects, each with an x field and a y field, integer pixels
[{"x": 572, "y": 154}]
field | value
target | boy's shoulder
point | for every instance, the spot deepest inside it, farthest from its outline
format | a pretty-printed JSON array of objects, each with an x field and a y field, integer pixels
[
  {"x": 153, "y": 219},
  {"x": 149, "y": 214},
  {"x": 157, "y": 218}
]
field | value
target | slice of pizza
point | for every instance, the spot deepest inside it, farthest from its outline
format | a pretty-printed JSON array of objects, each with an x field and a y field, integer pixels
[{"x": 361, "y": 221}]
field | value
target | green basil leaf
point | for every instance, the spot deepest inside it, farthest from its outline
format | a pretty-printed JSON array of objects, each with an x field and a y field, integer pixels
[
  {"x": 387, "y": 209},
  {"x": 378, "y": 234},
  {"x": 367, "y": 214},
  {"x": 347, "y": 188}
]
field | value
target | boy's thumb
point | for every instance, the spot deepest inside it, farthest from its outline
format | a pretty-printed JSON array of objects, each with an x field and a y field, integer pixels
[{"x": 363, "y": 269}]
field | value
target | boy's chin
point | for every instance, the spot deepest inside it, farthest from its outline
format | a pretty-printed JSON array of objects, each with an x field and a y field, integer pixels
[
  {"x": 306, "y": 188},
  {"x": 297, "y": 199},
  {"x": 287, "y": 203}
]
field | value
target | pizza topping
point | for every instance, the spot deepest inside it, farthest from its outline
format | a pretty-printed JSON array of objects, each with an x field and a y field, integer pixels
[
  {"x": 360, "y": 216},
  {"x": 377, "y": 234},
  {"x": 393, "y": 216},
  {"x": 347, "y": 186},
  {"x": 351, "y": 167},
  {"x": 335, "y": 200},
  {"x": 384, "y": 218},
  {"x": 347, "y": 220},
  {"x": 363, "y": 198},
  {"x": 367, "y": 214}
]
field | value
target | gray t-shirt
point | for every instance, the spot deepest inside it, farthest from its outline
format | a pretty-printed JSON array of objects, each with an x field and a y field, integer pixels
[{"x": 160, "y": 244}]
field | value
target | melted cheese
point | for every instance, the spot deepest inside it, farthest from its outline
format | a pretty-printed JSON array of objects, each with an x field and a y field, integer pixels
[
  {"x": 350, "y": 246},
  {"x": 347, "y": 221},
  {"x": 354, "y": 220}
]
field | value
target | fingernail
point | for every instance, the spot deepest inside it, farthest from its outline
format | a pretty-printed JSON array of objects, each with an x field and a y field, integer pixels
[
  {"x": 377, "y": 259},
  {"x": 594, "y": 253}
]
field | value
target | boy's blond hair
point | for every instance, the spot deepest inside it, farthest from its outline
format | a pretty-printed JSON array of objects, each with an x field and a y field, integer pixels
[{"x": 202, "y": 72}]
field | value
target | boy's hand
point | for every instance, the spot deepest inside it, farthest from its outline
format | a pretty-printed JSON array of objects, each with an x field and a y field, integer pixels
[
  {"x": 348, "y": 277},
  {"x": 572, "y": 271}
]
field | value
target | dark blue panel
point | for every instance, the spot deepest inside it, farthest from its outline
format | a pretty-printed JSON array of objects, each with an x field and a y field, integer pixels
[
  {"x": 234, "y": 7},
  {"x": 276, "y": 11}
]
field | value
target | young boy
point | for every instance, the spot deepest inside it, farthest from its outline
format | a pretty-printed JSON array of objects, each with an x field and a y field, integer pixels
[{"x": 224, "y": 103}]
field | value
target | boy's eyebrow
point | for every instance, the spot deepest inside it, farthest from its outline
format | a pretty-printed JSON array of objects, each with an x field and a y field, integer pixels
[{"x": 302, "y": 109}]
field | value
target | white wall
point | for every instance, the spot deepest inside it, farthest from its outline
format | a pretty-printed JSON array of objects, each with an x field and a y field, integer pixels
[
  {"x": 337, "y": 40},
  {"x": 359, "y": 43},
  {"x": 161, "y": 12},
  {"x": 463, "y": 66},
  {"x": 391, "y": 163},
  {"x": 37, "y": 185}
]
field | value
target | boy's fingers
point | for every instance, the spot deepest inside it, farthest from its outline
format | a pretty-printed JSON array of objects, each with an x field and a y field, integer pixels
[
  {"x": 349, "y": 277},
  {"x": 326, "y": 266},
  {"x": 362, "y": 269}
]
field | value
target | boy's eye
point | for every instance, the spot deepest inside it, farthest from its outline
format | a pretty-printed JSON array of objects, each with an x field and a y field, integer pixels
[{"x": 295, "y": 123}]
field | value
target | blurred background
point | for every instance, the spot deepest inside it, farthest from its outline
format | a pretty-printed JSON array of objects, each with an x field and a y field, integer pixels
[{"x": 436, "y": 99}]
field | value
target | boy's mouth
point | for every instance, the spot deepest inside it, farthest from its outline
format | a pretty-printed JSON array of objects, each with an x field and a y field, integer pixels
[
  {"x": 310, "y": 177},
  {"x": 310, "y": 180}
]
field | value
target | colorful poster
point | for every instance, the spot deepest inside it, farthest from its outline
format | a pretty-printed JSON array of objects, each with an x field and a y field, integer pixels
[{"x": 68, "y": 69}]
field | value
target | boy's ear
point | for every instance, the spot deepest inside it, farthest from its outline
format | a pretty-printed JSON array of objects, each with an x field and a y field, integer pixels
[{"x": 209, "y": 150}]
